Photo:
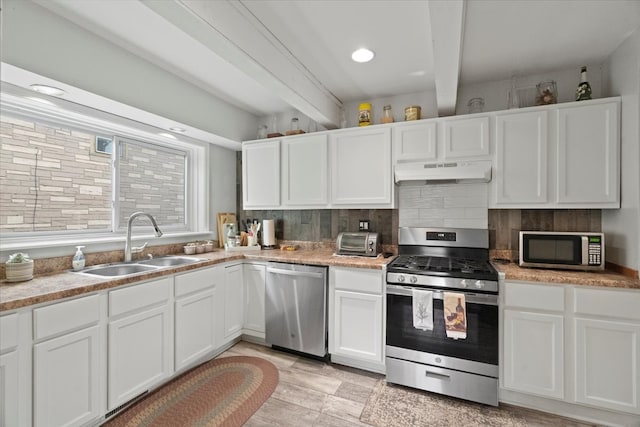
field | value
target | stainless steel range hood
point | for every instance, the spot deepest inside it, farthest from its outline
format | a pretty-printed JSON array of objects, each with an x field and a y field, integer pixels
[{"x": 461, "y": 171}]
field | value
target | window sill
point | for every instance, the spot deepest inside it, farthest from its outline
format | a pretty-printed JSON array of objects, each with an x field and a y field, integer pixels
[{"x": 48, "y": 248}]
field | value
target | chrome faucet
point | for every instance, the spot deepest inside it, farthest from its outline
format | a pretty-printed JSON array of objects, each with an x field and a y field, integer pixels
[{"x": 128, "y": 250}]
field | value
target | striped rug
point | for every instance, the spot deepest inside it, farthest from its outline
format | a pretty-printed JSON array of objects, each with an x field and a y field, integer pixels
[{"x": 221, "y": 392}]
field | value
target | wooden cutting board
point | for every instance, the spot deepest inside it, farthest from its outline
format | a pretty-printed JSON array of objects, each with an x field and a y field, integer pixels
[{"x": 225, "y": 218}]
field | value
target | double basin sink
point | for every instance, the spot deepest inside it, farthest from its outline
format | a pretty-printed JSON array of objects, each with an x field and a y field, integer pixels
[{"x": 142, "y": 266}]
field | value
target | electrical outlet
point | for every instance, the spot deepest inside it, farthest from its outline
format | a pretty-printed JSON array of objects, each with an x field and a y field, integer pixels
[{"x": 364, "y": 225}]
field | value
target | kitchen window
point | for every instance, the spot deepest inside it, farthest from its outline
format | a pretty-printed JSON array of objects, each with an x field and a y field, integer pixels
[{"x": 57, "y": 185}]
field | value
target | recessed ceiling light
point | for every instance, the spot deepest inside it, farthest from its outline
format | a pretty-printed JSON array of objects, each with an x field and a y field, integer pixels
[
  {"x": 167, "y": 135},
  {"x": 177, "y": 129},
  {"x": 418, "y": 73},
  {"x": 40, "y": 100},
  {"x": 362, "y": 55},
  {"x": 48, "y": 90}
]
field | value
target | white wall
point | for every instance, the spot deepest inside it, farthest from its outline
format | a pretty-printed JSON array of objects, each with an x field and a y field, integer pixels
[
  {"x": 40, "y": 41},
  {"x": 621, "y": 77}
]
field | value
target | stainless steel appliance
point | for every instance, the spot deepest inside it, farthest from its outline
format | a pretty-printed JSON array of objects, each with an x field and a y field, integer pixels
[
  {"x": 296, "y": 308},
  {"x": 444, "y": 260},
  {"x": 563, "y": 250},
  {"x": 358, "y": 243}
]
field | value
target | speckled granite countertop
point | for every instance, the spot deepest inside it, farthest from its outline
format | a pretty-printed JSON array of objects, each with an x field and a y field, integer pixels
[
  {"x": 606, "y": 279},
  {"x": 52, "y": 287}
]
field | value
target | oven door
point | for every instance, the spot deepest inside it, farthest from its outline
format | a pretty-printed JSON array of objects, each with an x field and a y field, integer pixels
[{"x": 480, "y": 345}]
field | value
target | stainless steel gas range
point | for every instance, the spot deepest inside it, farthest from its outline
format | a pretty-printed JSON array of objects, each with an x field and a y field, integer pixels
[{"x": 454, "y": 352}]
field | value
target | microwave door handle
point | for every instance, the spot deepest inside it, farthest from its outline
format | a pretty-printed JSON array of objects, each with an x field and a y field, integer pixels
[{"x": 585, "y": 251}]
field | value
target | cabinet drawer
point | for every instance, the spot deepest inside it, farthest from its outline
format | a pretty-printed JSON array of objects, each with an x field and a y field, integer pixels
[
  {"x": 534, "y": 296},
  {"x": 196, "y": 281},
  {"x": 139, "y": 296},
  {"x": 359, "y": 280},
  {"x": 611, "y": 303},
  {"x": 66, "y": 316},
  {"x": 8, "y": 331}
]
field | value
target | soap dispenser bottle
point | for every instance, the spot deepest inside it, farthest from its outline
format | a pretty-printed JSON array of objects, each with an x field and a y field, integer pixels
[{"x": 78, "y": 259}]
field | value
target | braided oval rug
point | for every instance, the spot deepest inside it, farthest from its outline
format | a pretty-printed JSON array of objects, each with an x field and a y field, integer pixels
[{"x": 221, "y": 392}]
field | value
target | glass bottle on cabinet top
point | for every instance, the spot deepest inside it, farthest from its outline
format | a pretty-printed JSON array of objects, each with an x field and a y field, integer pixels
[
  {"x": 387, "y": 115},
  {"x": 583, "y": 92}
]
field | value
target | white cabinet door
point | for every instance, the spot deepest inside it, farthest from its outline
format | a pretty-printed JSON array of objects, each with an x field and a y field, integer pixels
[
  {"x": 261, "y": 174},
  {"x": 413, "y": 142},
  {"x": 233, "y": 302},
  {"x": 195, "y": 327},
  {"x": 588, "y": 155},
  {"x": 357, "y": 330},
  {"x": 361, "y": 168},
  {"x": 140, "y": 353},
  {"x": 254, "y": 291},
  {"x": 9, "y": 389},
  {"x": 522, "y": 164},
  {"x": 533, "y": 353},
  {"x": 305, "y": 179},
  {"x": 607, "y": 365},
  {"x": 465, "y": 138},
  {"x": 198, "y": 315},
  {"x": 68, "y": 379}
]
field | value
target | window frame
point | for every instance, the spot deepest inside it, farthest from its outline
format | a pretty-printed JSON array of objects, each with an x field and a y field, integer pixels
[{"x": 100, "y": 124}]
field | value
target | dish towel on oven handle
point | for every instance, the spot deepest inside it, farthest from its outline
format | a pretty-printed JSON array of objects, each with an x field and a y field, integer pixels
[
  {"x": 422, "y": 309},
  {"x": 455, "y": 315}
]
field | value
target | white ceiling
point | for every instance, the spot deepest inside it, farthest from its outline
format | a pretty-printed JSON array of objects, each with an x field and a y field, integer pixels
[{"x": 267, "y": 56}]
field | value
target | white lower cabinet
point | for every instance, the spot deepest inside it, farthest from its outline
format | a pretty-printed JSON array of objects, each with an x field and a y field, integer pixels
[
  {"x": 607, "y": 348},
  {"x": 15, "y": 369},
  {"x": 198, "y": 315},
  {"x": 578, "y": 346},
  {"x": 140, "y": 339},
  {"x": 356, "y": 323},
  {"x": 233, "y": 302},
  {"x": 254, "y": 291},
  {"x": 68, "y": 363}
]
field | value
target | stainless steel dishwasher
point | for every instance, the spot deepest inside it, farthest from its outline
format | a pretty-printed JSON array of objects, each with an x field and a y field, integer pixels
[{"x": 296, "y": 308}]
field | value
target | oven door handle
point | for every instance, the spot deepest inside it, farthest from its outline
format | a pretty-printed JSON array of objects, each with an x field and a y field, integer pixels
[{"x": 471, "y": 298}]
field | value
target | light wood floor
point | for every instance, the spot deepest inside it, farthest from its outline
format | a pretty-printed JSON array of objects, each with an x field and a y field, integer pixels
[{"x": 313, "y": 393}]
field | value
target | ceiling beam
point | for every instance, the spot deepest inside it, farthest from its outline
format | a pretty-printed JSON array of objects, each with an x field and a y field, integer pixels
[
  {"x": 231, "y": 31},
  {"x": 447, "y": 28}
]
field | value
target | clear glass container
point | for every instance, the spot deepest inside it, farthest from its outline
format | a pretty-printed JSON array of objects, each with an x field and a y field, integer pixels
[
  {"x": 476, "y": 105},
  {"x": 262, "y": 131},
  {"x": 387, "y": 114},
  {"x": 547, "y": 93},
  {"x": 294, "y": 124}
]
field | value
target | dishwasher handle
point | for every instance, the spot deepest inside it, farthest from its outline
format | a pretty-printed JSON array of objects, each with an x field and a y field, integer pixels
[{"x": 295, "y": 273}]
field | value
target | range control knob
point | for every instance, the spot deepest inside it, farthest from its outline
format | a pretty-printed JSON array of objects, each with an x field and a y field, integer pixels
[
  {"x": 401, "y": 278},
  {"x": 479, "y": 284},
  {"x": 413, "y": 279},
  {"x": 463, "y": 283}
]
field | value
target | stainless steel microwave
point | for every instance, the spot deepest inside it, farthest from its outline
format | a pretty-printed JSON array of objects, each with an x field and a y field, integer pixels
[
  {"x": 562, "y": 250},
  {"x": 358, "y": 243}
]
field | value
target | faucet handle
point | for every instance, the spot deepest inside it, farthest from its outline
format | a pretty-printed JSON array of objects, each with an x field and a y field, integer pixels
[{"x": 138, "y": 249}]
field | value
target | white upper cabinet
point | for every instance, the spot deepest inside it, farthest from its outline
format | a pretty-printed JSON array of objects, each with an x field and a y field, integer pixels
[
  {"x": 261, "y": 174},
  {"x": 588, "y": 155},
  {"x": 521, "y": 157},
  {"x": 415, "y": 141},
  {"x": 466, "y": 137},
  {"x": 361, "y": 168},
  {"x": 305, "y": 171},
  {"x": 558, "y": 156}
]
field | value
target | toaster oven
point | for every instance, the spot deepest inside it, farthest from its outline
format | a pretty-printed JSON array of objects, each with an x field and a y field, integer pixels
[{"x": 358, "y": 243}]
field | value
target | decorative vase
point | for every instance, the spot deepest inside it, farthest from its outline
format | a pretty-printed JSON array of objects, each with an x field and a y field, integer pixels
[{"x": 19, "y": 271}]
